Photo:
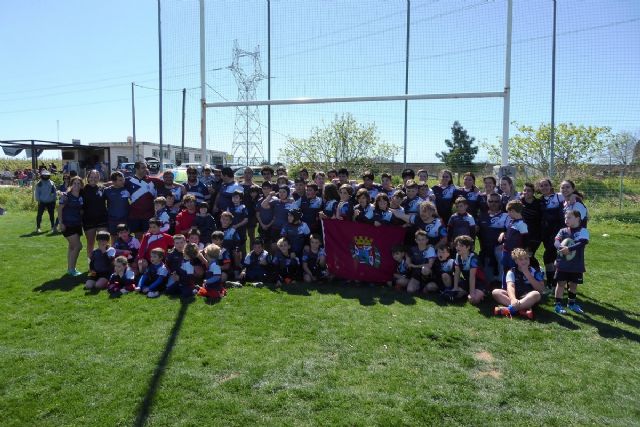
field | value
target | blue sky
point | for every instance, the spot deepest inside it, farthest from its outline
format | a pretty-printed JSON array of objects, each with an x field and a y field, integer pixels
[{"x": 73, "y": 61}]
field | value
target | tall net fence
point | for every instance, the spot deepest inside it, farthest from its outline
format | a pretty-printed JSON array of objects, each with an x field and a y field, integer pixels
[{"x": 343, "y": 48}]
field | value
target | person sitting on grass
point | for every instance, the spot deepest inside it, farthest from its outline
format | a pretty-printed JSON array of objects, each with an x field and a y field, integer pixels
[
  {"x": 443, "y": 267},
  {"x": 570, "y": 243},
  {"x": 256, "y": 264},
  {"x": 175, "y": 258},
  {"x": 122, "y": 280},
  {"x": 231, "y": 241},
  {"x": 314, "y": 260},
  {"x": 213, "y": 287},
  {"x": 126, "y": 245},
  {"x": 420, "y": 262},
  {"x": 401, "y": 275},
  {"x": 296, "y": 231},
  {"x": 468, "y": 277},
  {"x": 101, "y": 263},
  {"x": 524, "y": 288},
  {"x": 155, "y": 275},
  {"x": 286, "y": 264},
  {"x": 224, "y": 259},
  {"x": 182, "y": 281}
]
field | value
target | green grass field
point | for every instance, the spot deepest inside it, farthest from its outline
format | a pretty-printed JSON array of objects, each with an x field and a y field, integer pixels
[{"x": 311, "y": 354}]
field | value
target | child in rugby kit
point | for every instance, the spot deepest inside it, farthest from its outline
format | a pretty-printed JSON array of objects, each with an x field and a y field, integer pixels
[
  {"x": 240, "y": 218},
  {"x": 515, "y": 236},
  {"x": 461, "y": 223},
  {"x": 285, "y": 263},
  {"x": 155, "y": 275},
  {"x": 401, "y": 275},
  {"x": 295, "y": 231},
  {"x": 382, "y": 215},
  {"x": 468, "y": 277},
  {"x": 310, "y": 206},
  {"x": 264, "y": 215},
  {"x": 101, "y": 262},
  {"x": 363, "y": 210},
  {"x": 182, "y": 280},
  {"x": 153, "y": 239},
  {"x": 122, "y": 280},
  {"x": 443, "y": 267},
  {"x": 175, "y": 257},
  {"x": 570, "y": 243},
  {"x": 420, "y": 262},
  {"x": 524, "y": 288},
  {"x": 231, "y": 239},
  {"x": 314, "y": 261},
  {"x": 224, "y": 259},
  {"x": 256, "y": 265},
  {"x": 280, "y": 203},
  {"x": 127, "y": 245},
  {"x": 411, "y": 203},
  {"x": 212, "y": 287},
  {"x": 162, "y": 213},
  {"x": 204, "y": 222}
]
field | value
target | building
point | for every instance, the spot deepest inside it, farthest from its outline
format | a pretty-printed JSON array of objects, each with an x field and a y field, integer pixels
[{"x": 122, "y": 152}]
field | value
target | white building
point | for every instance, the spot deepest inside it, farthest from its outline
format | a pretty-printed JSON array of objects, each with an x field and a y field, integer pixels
[{"x": 120, "y": 152}]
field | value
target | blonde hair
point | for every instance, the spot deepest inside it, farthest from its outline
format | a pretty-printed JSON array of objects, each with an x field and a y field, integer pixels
[
  {"x": 212, "y": 251},
  {"x": 519, "y": 253}
]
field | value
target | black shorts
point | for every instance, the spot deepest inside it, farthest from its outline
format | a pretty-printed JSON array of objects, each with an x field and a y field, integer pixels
[
  {"x": 566, "y": 276},
  {"x": 416, "y": 273},
  {"x": 138, "y": 225},
  {"x": 70, "y": 230},
  {"x": 95, "y": 275},
  {"x": 89, "y": 226},
  {"x": 480, "y": 285}
]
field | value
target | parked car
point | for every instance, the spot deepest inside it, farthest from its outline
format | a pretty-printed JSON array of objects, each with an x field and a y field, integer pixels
[
  {"x": 126, "y": 168},
  {"x": 257, "y": 174}
]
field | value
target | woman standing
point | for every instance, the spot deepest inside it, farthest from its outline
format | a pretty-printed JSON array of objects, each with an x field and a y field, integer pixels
[
  {"x": 444, "y": 193},
  {"x": 508, "y": 190},
  {"x": 94, "y": 213},
  {"x": 573, "y": 201},
  {"x": 70, "y": 214},
  {"x": 532, "y": 216}
]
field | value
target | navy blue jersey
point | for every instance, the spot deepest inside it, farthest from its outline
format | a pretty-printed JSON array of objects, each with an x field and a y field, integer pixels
[
  {"x": 165, "y": 218},
  {"x": 310, "y": 209},
  {"x": 411, "y": 206},
  {"x": 580, "y": 237},
  {"x": 491, "y": 226},
  {"x": 240, "y": 213},
  {"x": 383, "y": 217},
  {"x": 345, "y": 210},
  {"x": 142, "y": 192},
  {"x": 177, "y": 191},
  {"x": 206, "y": 225},
  {"x": 231, "y": 239},
  {"x": 71, "y": 209},
  {"x": 311, "y": 258},
  {"x": 95, "y": 208},
  {"x": 422, "y": 256},
  {"x": 444, "y": 200},
  {"x": 102, "y": 262},
  {"x": 285, "y": 265},
  {"x": 253, "y": 263},
  {"x": 297, "y": 234},
  {"x": 516, "y": 236},
  {"x": 473, "y": 199},
  {"x": 446, "y": 266},
  {"x": 552, "y": 215},
  {"x": 365, "y": 214},
  {"x": 521, "y": 282},
  {"x": 226, "y": 192},
  {"x": 402, "y": 267},
  {"x": 461, "y": 225},
  {"x": 280, "y": 211},
  {"x": 130, "y": 245},
  {"x": 117, "y": 203},
  {"x": 198, "y": 190},
  {"x": 329, "y": 208},
  {"x": 577, "y": 206},
  {"x": 373, "y": 191},
  {"x": 532, "y": 216},
  {"x": 467, "y": 264},
  {"x": 435, "y": 230},
  {"x": 174, "y": 259},
  {"x": 266, "y": 215}
]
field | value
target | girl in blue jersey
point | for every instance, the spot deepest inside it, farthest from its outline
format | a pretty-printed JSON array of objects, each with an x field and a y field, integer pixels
[
  {"x": 331, "y": 199},
  {"x": 573, "y": 201},
  {"x": 70, "y": 214},
  {"x": 345, "y": 207},
  {"x": 363, "y": 210},
  {"x": 382, "y": 215},
  {"x": 507, "y": 191},
  {"x": 471, "y": 193},
  {"x": 569, "y": 272}
]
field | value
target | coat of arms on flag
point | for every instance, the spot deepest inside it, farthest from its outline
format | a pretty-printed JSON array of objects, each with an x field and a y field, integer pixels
[{"x": 365, "y": 252}]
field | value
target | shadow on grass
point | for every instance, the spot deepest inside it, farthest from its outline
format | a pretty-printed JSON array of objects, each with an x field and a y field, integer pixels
[
  {"x": 32, "y": 234},
  {"x": 144, "y": 409},
  {"x": 64, "y": 283},
  {"x": 366, "y": 294}
]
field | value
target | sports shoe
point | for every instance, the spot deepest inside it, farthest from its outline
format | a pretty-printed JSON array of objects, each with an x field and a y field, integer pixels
[
  {"x": 526, "y": 313},
  {"x": 234, "y": 284},
  {"x": 123, "y": 291},
  {"x": 257, "y": 284},
  {"x": 73, "y": 272},
  {"x": 560, "y": 309},
  {"x": 575, "y": 308},
  {"x": 153, "y": 294},
  {"x": 502, "y": 311},
  {"x": 38, "y": 230}
]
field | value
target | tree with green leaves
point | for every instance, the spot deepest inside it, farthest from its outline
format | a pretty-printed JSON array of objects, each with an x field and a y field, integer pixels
[
  {"x": 621, "y": 150},
  {"x": 575, "y": 146},
  {"x": 461, "y": 152},
  {"x": 342, "y": 143}
]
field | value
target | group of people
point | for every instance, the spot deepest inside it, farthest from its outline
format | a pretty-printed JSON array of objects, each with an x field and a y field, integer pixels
[{"x": 156, "y": 235}]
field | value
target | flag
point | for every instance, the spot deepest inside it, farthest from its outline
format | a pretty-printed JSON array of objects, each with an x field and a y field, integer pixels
[{"x": 357, "y": 251}]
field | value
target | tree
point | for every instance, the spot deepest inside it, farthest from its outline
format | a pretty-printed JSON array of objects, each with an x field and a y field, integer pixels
[
  {"x": 575, "y": 146},
  {"x": 461, "y": 152},
  {"x": 342, "y": 143},
  {"x": 620, "y": 150}
]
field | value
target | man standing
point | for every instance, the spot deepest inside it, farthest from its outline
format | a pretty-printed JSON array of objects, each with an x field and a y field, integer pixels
[
  {"x": 45, "y": 194},
  {"x": 143, "y": 192}
]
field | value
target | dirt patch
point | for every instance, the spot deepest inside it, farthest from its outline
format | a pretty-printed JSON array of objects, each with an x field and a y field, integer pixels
[
  {"x": 223, "y": 379},
  {"x": 491, "y": 373},
  {"x": 484, "y": 356}
]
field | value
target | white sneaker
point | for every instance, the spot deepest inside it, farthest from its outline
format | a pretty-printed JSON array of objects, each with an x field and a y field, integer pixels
[
  {"x": 124, "y": 291},
  {"x": 38, "y": 231},
  {"x": 153, "y": 294}
]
